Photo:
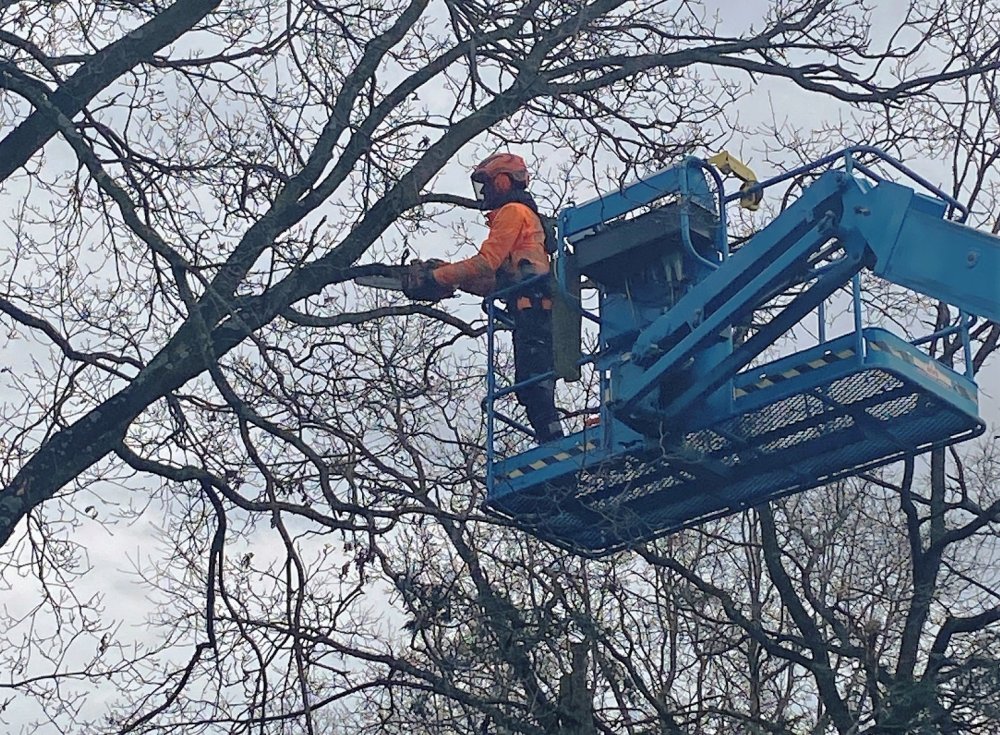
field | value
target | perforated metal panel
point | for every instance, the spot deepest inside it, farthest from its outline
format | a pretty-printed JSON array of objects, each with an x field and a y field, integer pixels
[{"x": 891, "y": 405}]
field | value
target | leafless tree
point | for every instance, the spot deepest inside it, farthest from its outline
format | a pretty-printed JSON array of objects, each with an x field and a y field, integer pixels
[{"x": 191, "y": 189}]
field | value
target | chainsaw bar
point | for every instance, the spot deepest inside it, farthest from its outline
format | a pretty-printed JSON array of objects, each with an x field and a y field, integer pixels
[
  {"x": 386, "y": 277},
  {"x": 387, "y": 283}
]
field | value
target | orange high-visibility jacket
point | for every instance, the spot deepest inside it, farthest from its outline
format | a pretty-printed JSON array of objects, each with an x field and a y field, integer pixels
[{"x": 516, "y": 235}]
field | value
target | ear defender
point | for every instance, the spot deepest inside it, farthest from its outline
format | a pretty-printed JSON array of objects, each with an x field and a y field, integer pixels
[{"x": 502, "y": 183}]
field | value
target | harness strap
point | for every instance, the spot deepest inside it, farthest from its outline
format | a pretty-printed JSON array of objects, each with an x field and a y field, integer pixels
[{"x": 532, "y": 302}]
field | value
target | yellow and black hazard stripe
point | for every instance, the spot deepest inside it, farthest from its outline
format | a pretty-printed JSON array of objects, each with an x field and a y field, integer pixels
[
  {"x": 768, "y": 379},
  {"x": 541, "y": 463},
  {"x": 930, "y": 367}
]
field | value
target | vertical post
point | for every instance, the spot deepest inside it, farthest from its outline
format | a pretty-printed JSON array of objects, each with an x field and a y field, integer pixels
[
  {"x": 821, "y": 319},
  {"x": 859, "y": 340},
  {"x": 490, "y": 391},
  {"x": 965, "y": 320}
]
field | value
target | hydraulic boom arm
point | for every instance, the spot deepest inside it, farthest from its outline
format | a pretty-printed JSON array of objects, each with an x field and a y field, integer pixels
[{"x": 839, "y": 226}]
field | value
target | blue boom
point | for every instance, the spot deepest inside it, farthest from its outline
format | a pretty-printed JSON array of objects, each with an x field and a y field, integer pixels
[{"x": 690, "y": 426}]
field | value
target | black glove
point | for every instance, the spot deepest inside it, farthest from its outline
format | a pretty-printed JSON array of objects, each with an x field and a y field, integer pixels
[{"x": 419, "y": 284}]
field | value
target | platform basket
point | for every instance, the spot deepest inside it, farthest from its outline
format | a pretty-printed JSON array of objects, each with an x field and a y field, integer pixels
[{"x": 835, "y": 410}]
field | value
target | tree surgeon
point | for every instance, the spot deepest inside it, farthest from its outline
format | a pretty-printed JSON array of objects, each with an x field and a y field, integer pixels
[{"x": 514, "y": 252}]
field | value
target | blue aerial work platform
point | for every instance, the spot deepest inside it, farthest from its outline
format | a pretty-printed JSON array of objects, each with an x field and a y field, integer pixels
[{"x": 690, "y": 424}]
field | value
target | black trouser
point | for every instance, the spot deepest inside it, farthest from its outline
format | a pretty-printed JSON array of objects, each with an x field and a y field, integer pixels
[{"x": 533, "y": 356}]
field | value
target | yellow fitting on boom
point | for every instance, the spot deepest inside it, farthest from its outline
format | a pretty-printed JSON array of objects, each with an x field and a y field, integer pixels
[{"x": 727, "y": 164}]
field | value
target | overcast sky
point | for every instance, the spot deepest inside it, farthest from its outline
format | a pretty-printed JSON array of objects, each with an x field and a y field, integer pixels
[{"x": 112, "y": 549}]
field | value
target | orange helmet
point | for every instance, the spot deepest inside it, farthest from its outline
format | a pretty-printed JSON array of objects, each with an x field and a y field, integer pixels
[
  {"x": 501, "y": 172},
  {"x": 504, "y": 163}
]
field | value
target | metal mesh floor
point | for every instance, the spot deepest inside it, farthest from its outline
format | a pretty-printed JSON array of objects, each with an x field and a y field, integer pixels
[{"x": 856, "y": 422}]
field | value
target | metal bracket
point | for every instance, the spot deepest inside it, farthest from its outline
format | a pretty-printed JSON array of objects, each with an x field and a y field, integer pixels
[{"x": 752, "y": 194}]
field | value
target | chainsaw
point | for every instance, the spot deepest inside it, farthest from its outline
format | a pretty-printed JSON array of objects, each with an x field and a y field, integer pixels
[
  {"x": 414, "y": 279},
  {"x": 385, "y": 277}
]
